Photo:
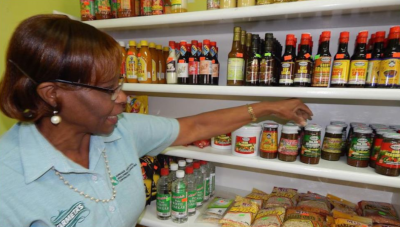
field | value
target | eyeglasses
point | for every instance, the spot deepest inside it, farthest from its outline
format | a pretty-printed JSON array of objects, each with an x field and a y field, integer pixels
[{"x": 113, "y": 92}]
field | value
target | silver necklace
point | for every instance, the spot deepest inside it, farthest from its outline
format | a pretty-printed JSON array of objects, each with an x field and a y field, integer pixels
[{"x": 114, "y": 194}]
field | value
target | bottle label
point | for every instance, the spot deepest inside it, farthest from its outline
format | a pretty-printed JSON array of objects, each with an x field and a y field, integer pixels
[
  {"x": 87, "y": 9},
  {"x": 373, "y": 71},
  {"x": 205, "y": 67},
  {"x": 213, "y": 4},
  {"x": 206, "y": 50},
  {"x": 192, "y": 197},
  {"x": 153, "y": 71},
  {"x": 142, "y": 69},
  {"x": 215, "y": 70},
  {"x": 223, "y": 140},
  {"x": 171, "y": 65},
  {"x": 267, "y": 71},
  {"x": 332, "y": 145},
  {"x": 200, "y": 194},
  {"x": 146, "y": 7},
  {"x": 288, "y": 147},
  {"x": 358, "y": 72},
  {"x": 176, "y": 2},
  {"x": 322, "y": 70},
  {"x": 235, "y": 69},
  {"x": 157, "y": 7},
  {"x": 302, "y": 73},
  {"x": 245, "y": 145},
  {"x": 179, "y": 204},
  {"x": 340, "y": 71},
  {"x": 194, "y": 67},
  {"x": 213, "y": 183},
  {"x": 389, "y": 72},
  {"x": 163, "y": 205},
  {"x": 311, "y": 146},
  {"x": 182, "y": 70},
  {"x": 207, "y": 188},
  {"x": 102, "y": 7},
  {"x": 389, "y": 155},
  {"x": 269, "y": 142},
  {"x": 252, "y": 71},
  {"x": 131, "y": 67},
  {"x": 360, "y": 148},
  {"x": 287, "y": 73},
  {"x": 376, "y": 149},
  {"x": 183, "y": 50}
]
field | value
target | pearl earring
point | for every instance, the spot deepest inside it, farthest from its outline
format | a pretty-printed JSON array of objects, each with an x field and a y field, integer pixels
[{"x": 55, "y": 119}]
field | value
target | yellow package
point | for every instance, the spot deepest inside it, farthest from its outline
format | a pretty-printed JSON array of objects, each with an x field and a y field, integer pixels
[
  {"x": 241, "y": 214},
  {"x": 343, "y": 219},
  {"x": 270, "y": 217},
  {"x": 137, "y": 104},
  {"x": 342, "y": 205},
  {"x": 258, "y": 197},
  {"x": 286, "y": 197}
]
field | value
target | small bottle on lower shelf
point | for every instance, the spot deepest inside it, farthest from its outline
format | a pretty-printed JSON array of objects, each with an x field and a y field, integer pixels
[{"x": 163, "y": 196}]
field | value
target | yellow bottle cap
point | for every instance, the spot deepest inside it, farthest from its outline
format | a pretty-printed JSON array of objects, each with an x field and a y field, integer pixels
[
  {"x": 139, "y": 45},
  {"x": 143, "y": 43},
  {"x": 159, "y": 47},
  {"x": 152, "y": 45},
  {"x": 165, "y": 48},
  {"x": 132, "y": 43}
]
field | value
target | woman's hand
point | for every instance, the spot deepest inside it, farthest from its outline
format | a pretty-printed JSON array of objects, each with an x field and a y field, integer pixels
[{"x": 292, "y": 109}]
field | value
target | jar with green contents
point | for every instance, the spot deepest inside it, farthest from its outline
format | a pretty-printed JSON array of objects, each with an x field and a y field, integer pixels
[
  {"x": 388, "y": 162},
  {"x": 376, "y": 146},
  {"x": 360, "y": 147},
  {"x": 311, "y": 147},
  {"x": 332, "y": 145}
]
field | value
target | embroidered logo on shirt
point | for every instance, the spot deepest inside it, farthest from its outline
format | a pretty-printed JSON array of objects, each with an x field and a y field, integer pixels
[
  {"x": 123, "y": 174},
  {"x": 71, "y": 217}
]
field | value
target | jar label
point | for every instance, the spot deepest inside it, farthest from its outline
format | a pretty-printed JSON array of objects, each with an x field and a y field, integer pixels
[
  {"x": 179, "y": 204},
  {"x": 332, "y": 145},
  {"x": 266, "y": 71},
  {"x": 269, "y": 142},
  {"x": 311, "y": 146},
  {"x": 235, "y": 68},
  {"x": 200, "y": 194},
  {"x": 322, "y": 70},
  {"x": 376, "y": 148},
  {"x": 340, "y": 71},
  {"x": 245, "y": 145},
  {"x": 360, "y": 149},
  {"x": 223, "y": 140},
  {"x": 192, "y": 198},
  {"x": 389, "y": 155},
  {"x": 287, "y": 72},
  {"x": 302, "y": 73},
  {"x": 358, "y": 72},
  {"x": 373, "y": 71},
  {"x": 131, "y": 67},
  {"x": 288, "y": 146},
  {"x": 213, "y": 4},
  {"x": 163, "y": 205},
  {"x": 389, "y": 72}
]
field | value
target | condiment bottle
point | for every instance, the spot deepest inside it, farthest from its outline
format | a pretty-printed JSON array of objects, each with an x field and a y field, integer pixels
[
  {"x": 137, "y": 7},
  {"x": 157, "y": 7},
  {"x": 269, "y": 64},
  {"x": 165, "y": 51},
  {"x": 123, "y": 65},
  {"x": 374, "y": 62},
  {"x": 167, "y": 6},
  {"x": 390, "y": 64},
  {"x": 154, "y": 63},
  {"x": 102, "y": 10},
  {"x": 194, "y": 64},
  {"x": 332, "y": 145},
  {"x": 388, "y": 162},
  {"x": 161, "y": 65},
  {"x": 179, "y": 198},
  {"x": 243, "y": 42},
  {"x": 213, "y": 4},
  {"x": 131, "y": 63},
  {"x": 360, "y": 148},
  {"x": 144, "y": 64},
  {"x": 191, "y": 181},
  {"x": 287, "y": 73},
  {"x": 269, "y": 141},
  {"x": 225, "y": 4},
  {"x": 171, "y": 64},
  {"x": 376, "y": 146},
  {"x": 311, "y": 148},
  {"x": 303, "y": 65},
  {"x": 253, "y": 62},
  {"x": 182, "y": 69},
  {"x": 245, "y": 3},
  {"x": 341, "y": 62},
  {"x": 246, "y": 44},
  {"x": 215, "y": 63},
  {"x": 177, "y": 50},
  {"x": 145, "y": 8},
  {"x": 264, "y": 2},
  {"x": 138, "y": 46},
  {"x": 344, "y": 133},
  {"x": 87, "y": 10},
  {"x": 126, "y": 8},
  {"x": 288, "y": 148},
  {"x": 179, "y": 6},
  {"x": 205, "y": 76},
  {"x": 235, "y": 61},
  {"x": 359, "y": 62},
  {"x": 322, "y": 64},
  {"x": 199, "y": 50}
]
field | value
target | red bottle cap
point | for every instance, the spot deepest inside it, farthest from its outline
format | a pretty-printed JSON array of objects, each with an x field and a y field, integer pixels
[
  {"x": 189, "y": 170},
  {"x": 206, "y": 42},
  {"x": 380, "y": 34},
  {"x": 290, "y": 42},
  {"x": 172, "y": 44},
  {"x": 203, "y": 162},
  {"x": 194, "y": 42},
  {"x": 394, "y": 29},
  {"x": 196, "y": 165},
  {"x": 290, "y": 36},
  {"x": 164, "y": 172},
  {"x": 305, "y": 36},
  {"x": 394, "y": 35},
  {"x": 182, "y": 43},
  {"x": 363, "y": 34},
  {"x": 213, "y": 43},
  {"x": 305, "y": 41},
  {"x": 326, "y": 34},
  {"x": 345, "y": 34}
]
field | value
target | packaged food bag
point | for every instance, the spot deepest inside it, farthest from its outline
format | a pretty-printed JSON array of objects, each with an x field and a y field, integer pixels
[
  {"x": 315, "y": 203},
  {"x": 342, "y": 205},
  {"x": 343, "y": 219},
  {"x": 241, "y": 214},
  {"x": 299, "y": 218},
  {"x": 270, "y": 217},
  {"x": 381, "y": 213},
  {"x": 215, "y": 210},
  {"x": 137, "y": 104},
  {"x": 258, "y": 197},
  {"x": 285, "y": 197}
]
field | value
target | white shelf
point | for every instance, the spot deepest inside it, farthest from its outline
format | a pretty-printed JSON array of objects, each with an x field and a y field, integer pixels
[
  {"x": 255, "y": 13},
  {"x": 338, "y": 170},
  {"x": 288, "y": 92}
]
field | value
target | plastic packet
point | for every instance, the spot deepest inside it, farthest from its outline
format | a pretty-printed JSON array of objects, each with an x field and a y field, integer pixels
[
  {"x": 270, "y": 217},
  {"x": 342, "y": 205},
  {"x": 343, "y": 219},
  {"x": 286, "y": 197},
  {"x": 381, "y": 213},
  {"x": 137, "y": 104},
  {"x": 241, "y": 214},
  {"x": 258, "y": 197},
  {"x": 314, "y": 203},
  {"x": 299, "y": 218},
  {"x": 215, "y": 210}
]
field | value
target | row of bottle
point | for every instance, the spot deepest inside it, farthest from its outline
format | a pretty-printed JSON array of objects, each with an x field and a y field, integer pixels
[
  {"x": 253, "y": 61},
  {"x": 180, "y": 63},
  {"x": 224, "y": 4},
  {"x": 108, "y": 9},
  {"x": 184, "y": 188}
]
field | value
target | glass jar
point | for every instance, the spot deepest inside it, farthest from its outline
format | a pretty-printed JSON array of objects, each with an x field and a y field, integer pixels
[
  {"x": 332, "y": 145},
  {"x": 376, "y": 146},
  {"x": 225, "y": 4},
  {"x": 288, "y": 149},
  {"x": 264, "y": 2},
  {"x": 344, "y": 134},
  {"x": 269, "y": 141},
  {"x": 360, "y": 148},
  {"x": 245, "y": 3},
  {"x": 213, "y": 4},
  {"x": 311, "y": 147},
  {"x": 388, "y": 162}
]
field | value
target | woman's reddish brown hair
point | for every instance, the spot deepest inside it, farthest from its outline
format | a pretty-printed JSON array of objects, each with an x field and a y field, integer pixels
[{"x": 49, "y": 47}]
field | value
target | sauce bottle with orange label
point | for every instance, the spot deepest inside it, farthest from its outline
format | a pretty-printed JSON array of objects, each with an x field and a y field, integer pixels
[
  {"x": 87, "y": 10},
  {"x": 102, "y": 9},
  {"x": 286, "y": 77},
  {"x": 322, "y": 64},
  {"x": 235, "y": 61},
  {"x": 359, "y": 62},
  {"x": 154, "y": 63},
  {"x": 171, "y": 64},
  {"x": 157, "y": 7},
  {"x": 374, "y": 62},
  {"x": 215, "y": 63},
  {"x": 144, "y": 63},
  {"x": 126, "y": 8},
  {"x": 341, "y": 62},
  {"x": 390, "y": 64},
  {"x": 303, "y": 64},
  {"x": 131, "y": 63},
  {"x": 161, "y": 65}
]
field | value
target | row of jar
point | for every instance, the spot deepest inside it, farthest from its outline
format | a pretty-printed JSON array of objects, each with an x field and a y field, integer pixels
[{"x": 374, "y": 145}]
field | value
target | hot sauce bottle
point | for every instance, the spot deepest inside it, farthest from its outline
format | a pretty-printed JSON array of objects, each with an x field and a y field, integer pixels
[
  {"x": 161, "y": 67},
  {"x": 374, "y": 61},
  {"x": 287, "y": 73},
  {"x": 269, "y": 64},
  {"x": 182, "y": 69},
  {"x": 102, "y": 9},
  {"x": 205, "y": 76},
  {"x": 390, "y": 64},
  {"x": 157, "y": 7},
  {"x": 322, "y": 64},
  {"x": 171, "y": 64},
  {"x": 341, "y": 62},
  {"x": 126, "y": 8},
  {"x": 144, "y": 64},
  {"x": 131, "y": 63},
  {"x": 145, "y": 8},
  {"x": 235, "y": 61},
  {"x": 302, "y": 72},
  {"x": 154, "y": 63},
  {"x": 253, "y": 62},
  {"x": 215, "y": 63},
  {"x": 359, "y": 62},
  {"x": 194, "y": 63}
]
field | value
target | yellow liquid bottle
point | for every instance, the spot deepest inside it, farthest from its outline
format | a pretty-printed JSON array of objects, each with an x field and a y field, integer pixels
[
  {"x": 179, "y": 6},
  {"x": 144, "y": 63},
  {"x": 154, "y": 63},
  {"x": 131, "y": 63}
]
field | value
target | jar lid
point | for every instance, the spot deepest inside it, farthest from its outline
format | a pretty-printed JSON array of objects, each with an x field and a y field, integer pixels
[
  {"x": 251, "y": 127},
  {"x": 290, "y": 129},
  {"x": 394, "y": 126},
  {"x": 291, "y": 123},
  {"x": 376, "y": 126},
  {"x": 313, "y": 128},
  {"x": 181, "y": 163},
  {"x": 340, "y": 123},
  {"x": 384, "y": 131},
  {"x": 363, "y": 130},
  {"x": 357, "y": 124},
  {"x": 335, "y": 129},
  {"x": 391, "y": 135},
  {"x": 270, "y": 125}
]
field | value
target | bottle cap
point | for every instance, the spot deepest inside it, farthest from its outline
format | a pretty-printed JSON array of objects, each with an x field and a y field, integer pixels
[
  {"x": 237, "y": 29},
  {"x": 206, "y": 42},
  {"x": 363, "y": 130},
  {"x": 334, "y": 129},
  {"x": 121, "y": 43},
  {"x": 181, "y": 163},
  {"x": 344, "y": 37},
  {"x": 203, "y": 162},
  {"x": 326, "y": 34},
  {"x": 164, "y": 172},
  {"x": 152, "y": 45},
  {"x": 213, "y": 43},
  {"x": 394, "y": 29},
  {"x": 158, "y": 47},
  {"x": 189, "y": 160},
  {"x": 132, "y": 43},
  {"x": 180, "y": 174},
  {"x": 269, "y": 36},
  {"x": 290, "y": 129},
  {"x": 363, "y": 34},
  {"x": 166, "y": 48},
  {"x": 200, "y": 44},
  {"x": 194, "y": 42},
  {"x": 139, "y": 45},
  {"x": 183, "y": 43},
  {"x": 196, "y": 165},
  {"x": 172, "y": 44},
  {"x": 380, "y": 34},
  {"x": 173, "y": 167},
  {"x": 143, "y": 43},
  {"x": 394, "y": 35},
  {"x": 189, "y": 170},
  {"x": 270, "y": 125},
  {"x": 305, "y": 36},
  {"x": 391, "y": 135},
  {"x": 313, "y": 128}
]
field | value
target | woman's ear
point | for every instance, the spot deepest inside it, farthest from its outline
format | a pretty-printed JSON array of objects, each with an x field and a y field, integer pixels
[{"x": 48, "y": 92}]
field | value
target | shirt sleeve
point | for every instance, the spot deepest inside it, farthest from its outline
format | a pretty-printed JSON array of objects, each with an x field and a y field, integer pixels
[{"x": 150, "y": 134}]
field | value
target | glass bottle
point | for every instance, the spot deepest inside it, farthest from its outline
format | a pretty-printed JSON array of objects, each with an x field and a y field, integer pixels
[
  {"x": 253, "y": 62},
  {"x": 359, "y": 62},
  {"x": 194, "y": 63},
  {"x": 341, "y": 62},
  {"x": 311, "y": 147},
  {"x": 144, "y": 64},
  {"x": 154, "y": 63},
  {"x": 287, "y": 74},
  {"x": 303, "y": 64},
  {"x": 182, "y": 69},
  {"x": 235, "y": 61},
  {"x": 288, "y": 144},
  {"x": 374, "y": 62},
  {"x": 215, "y": 64},
  {"x": 205, "y": 76},
  {"x": 131, "y": 63},
  {"x": 268, "y": 63},
  {"x": 161, "y": 65},
  {"x": 179, "y": 6},
  {"x": 390, "y": 64},
  {"x": 322, "y": 63}
]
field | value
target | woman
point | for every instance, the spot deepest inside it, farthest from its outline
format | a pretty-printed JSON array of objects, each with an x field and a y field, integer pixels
[{"x": 72, "y": 160}]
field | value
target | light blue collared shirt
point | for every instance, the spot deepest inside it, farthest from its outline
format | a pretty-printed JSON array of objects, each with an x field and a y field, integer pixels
[{"x": 31, "y": 194}]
